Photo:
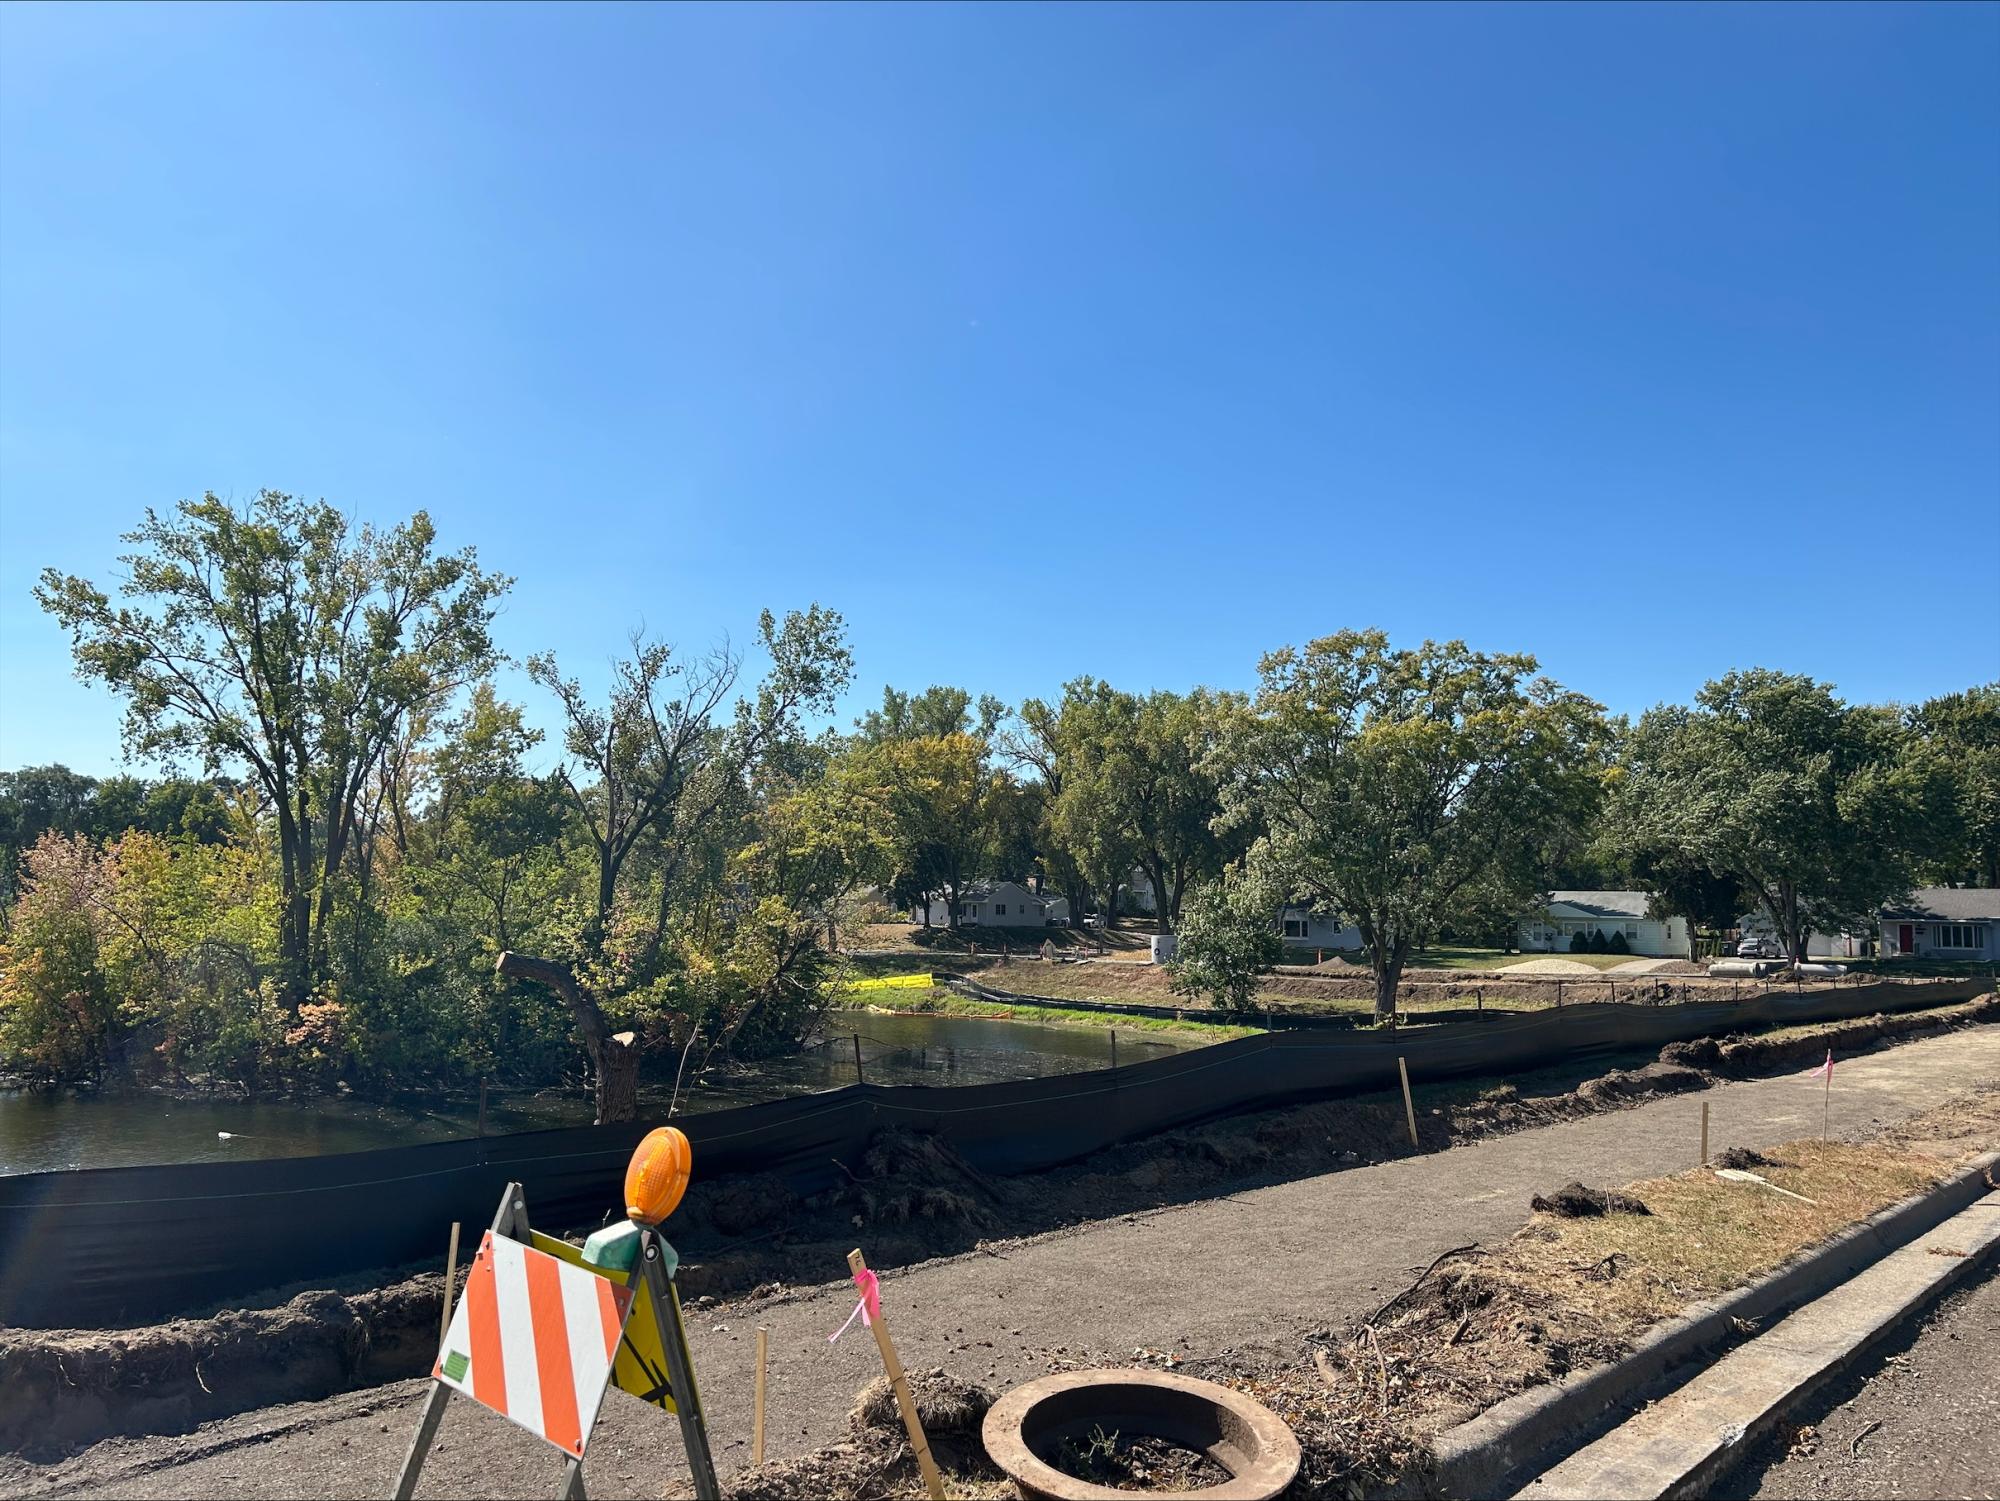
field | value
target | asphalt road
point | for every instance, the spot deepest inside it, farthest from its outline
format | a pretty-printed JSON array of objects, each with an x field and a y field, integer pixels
[
  {"x": 1921, "y": 1419},
  {"x": 1255, "y": 1267}
]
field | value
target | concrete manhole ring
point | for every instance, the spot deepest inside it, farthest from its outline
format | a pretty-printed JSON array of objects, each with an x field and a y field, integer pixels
[{"x": 1245, "y": 1437}]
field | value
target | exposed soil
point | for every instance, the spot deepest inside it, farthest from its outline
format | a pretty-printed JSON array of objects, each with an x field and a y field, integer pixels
[
  {"x": 68, "y": 1388},
  {"x": 1573, "y": 1202},
  {"x": 915, "y": 1198},
  {"x": 876, "y": 1460}
]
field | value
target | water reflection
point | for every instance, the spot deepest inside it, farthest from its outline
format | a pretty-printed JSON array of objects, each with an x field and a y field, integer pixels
[{"x": 45, "y": 1132}]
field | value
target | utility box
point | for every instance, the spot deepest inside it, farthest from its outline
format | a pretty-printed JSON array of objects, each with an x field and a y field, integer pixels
[{"x": 1164, "y": 945}]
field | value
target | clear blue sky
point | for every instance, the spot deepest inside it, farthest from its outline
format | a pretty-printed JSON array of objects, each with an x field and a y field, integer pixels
[{"x": 1037, "y": 340}]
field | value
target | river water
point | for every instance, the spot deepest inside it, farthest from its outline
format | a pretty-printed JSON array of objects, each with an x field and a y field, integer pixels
[{"x": 40, "y": 1133}]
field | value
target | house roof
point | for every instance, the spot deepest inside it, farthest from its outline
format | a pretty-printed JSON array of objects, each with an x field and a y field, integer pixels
[
  {"x": 1603, "y": 903},
  {"x": 1949, "y": 904},
  {"x": 989, "y": 888}
]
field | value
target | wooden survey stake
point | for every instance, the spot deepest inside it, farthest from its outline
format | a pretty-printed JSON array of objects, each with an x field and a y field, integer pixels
[
  {"x": 757, "y": 1415},
  {"x": 933, "y": 1482},
  {"x": 1409, "y": 1109},
  {"x": 1704, "y": 1133}
]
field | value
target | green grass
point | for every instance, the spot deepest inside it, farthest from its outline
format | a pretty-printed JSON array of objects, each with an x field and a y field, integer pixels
[
  {"x": 941, "y": 1002},
  {"x": 1454, "y": 956}
]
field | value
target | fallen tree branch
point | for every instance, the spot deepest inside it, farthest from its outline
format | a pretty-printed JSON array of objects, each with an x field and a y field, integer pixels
[{"x": 1376, "y": 1317}]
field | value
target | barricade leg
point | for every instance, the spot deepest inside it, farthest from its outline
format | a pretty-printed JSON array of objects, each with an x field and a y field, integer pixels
[
  {"x": 673, "y": 1341},
  {"x": 427, "y": 1427}
]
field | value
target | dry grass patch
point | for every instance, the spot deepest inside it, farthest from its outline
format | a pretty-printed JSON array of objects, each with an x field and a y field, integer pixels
[{"x": 1706, "y": 1234}]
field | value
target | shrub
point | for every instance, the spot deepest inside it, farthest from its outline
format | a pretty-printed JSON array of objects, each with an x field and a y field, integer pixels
[
  {"x": 1579, "y": 943},
  {"x": 1618, "y": 945}
]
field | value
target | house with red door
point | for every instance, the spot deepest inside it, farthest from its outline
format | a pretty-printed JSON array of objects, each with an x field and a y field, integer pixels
[{"x": 1944, "y": 922}]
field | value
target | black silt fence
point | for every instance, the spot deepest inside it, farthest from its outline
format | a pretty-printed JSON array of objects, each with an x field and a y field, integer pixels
[{"x": 108, "y": 1246}]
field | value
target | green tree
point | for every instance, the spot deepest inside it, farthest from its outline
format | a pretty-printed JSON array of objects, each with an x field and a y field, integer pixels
[
  {"x": 1404, "y": 789},
  {"x": 1145, "y": 762},
  {"x": 1959, "y": 735},
  {"x": 1812, "y": 806},
  {"x": 934, "y": 713},
  {"x": 940, "y": 792},
  {"x": 657, "y": 776},
  {"x": 279, "y": 639},
  {"x": 1227, "y": 941}
]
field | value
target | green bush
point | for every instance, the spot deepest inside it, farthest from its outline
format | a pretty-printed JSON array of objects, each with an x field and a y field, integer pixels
[
  {"x": 1618, "y": 945},
  {"x": 1579, "y": 943}
]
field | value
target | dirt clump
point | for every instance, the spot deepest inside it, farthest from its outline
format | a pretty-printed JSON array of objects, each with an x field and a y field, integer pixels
[
  {"x": 877, "y": 1460},
  {"x": 1573, "y": 1201},
  {"x": 1741, "y": 1158},
  {"x": 912, "y": 1176}
]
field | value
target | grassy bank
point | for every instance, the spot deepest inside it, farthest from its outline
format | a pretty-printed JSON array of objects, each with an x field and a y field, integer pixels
[{"x": 937, "y": 1001}]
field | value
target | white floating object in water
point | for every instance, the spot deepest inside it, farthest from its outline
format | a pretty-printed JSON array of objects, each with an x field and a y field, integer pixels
[{"x": 1737, "y": 1175}]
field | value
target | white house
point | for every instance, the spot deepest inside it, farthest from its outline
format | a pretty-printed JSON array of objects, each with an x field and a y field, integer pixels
[
  {"x": 1000, "y": 904},
  {"x": 1568, "y": 914},
  {"x": 1302, "y": 928},
  {"x": 1758, "y": 924},
  {"x": 1944, "y": 922}
]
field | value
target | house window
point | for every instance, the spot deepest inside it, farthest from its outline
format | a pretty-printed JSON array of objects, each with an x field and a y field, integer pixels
[
  {"x": 1000, "y": 909},
  {"x": 1631, "y": 930},
  {"x": 1295, "y": 927},
  {"x": 1960, "y": 935}
]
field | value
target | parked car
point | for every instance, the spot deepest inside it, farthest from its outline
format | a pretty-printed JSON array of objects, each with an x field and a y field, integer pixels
[{"x": 1759, "y": 946}]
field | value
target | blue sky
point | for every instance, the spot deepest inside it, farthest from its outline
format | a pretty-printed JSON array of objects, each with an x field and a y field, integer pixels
[{"x": 1036, "y": 340}]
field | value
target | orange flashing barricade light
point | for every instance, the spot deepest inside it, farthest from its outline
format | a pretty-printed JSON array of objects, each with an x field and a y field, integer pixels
[{"x": 658, "y": 1175}]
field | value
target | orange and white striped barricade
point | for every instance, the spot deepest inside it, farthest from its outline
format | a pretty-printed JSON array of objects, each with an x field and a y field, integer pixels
[{"x": 537, "y": 1337}]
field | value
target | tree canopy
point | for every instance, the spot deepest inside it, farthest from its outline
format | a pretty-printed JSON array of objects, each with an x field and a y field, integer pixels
[
  {"x": 1408, "y": 789},
  {"x": 1814, "y": 807}
]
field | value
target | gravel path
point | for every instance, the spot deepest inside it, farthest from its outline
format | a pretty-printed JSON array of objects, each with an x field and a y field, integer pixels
[
  {"x": 1920, "y": 1419},
  {"x": 1254, "y": 1267}
]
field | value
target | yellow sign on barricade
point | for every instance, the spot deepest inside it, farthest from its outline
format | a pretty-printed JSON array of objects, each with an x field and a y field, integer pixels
[{"x": 641, "y": 1366}]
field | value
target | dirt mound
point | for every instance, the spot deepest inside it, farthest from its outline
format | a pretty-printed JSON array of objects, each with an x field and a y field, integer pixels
[
  {"x": 1366, "y": 1401},
  {"x": 1573, "y": 1201},
  {"x": 878, "y": 1461},
  {"x": 1741, "y": 1158},
  {"x": 1621, "y": 1085},
  {"x": 1741, "y": 1055},
  {"x": 911, "y": 1177},
  {"x": 945, "y": 1405},
  {"x": 70, "y": 1387}
]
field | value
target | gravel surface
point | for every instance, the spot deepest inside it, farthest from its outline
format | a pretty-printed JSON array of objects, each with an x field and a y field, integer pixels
[
  {"x": 1921, "y": 1418},
  {"x": 1256, "y": 1267}
]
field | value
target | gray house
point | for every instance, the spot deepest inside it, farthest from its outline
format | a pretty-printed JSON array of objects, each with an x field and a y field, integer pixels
[
  {"x": 1302, "y": 928},
  {"x": 1944, "y": 922},
  {"x": 1001, "y": 904}
]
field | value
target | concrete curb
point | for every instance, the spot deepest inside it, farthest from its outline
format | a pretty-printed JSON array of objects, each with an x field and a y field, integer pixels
[
  {"x": 1513, "y": 1441},
  {"x": 1680, "y": 1445}
]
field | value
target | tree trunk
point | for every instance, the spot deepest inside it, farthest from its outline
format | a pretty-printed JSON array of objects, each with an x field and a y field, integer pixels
[
  {"x": 614, "y": 1058},
  {"x": 1388, "y": 975},
  {"x": 1157, "y": 874}
]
